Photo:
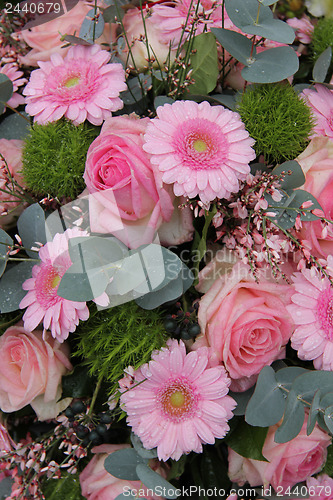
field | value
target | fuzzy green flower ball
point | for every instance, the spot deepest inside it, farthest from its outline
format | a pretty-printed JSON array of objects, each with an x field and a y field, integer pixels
[
  {"x": 322, "y": 37},
  {"x": 278, "y": 119},
  {"x": 115, "y": 338},
  {"x": 54, "y": 158}
]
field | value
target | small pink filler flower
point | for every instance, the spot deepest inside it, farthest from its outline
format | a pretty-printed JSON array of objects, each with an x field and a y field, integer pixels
[
  {"x": 59, "y": 315},
  {"x": 182, "y": 404},
  {"x": 201, "y": 149},
  {"x": 82, "y": 86},
  {"x": 312, "y": 312}
]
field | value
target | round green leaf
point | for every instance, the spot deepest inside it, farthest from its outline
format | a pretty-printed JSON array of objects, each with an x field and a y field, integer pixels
[
  {"x": 152, "y": 480},
  {"x": 204, "y": 64},
  {"x": 321, "y": 66},
  {"x": 313, "y": 413},
  {"x": 239, "y": 46},
  {"x": 297, "y": 177},
  {"x": 292, "y": 421},
  {"x": 272, "y": 65},
  {"x": 122, "y": 464},
  {"x": 328, "y": 417},
  {"x": 11, "y": 292},
  {"x": 31, "y": 228},
  {"x": 6, "y": 91},
  {"x": 6, "y": 244},
  {"x": 266, "y": 407},
  {"x": 92, "y": 29}
]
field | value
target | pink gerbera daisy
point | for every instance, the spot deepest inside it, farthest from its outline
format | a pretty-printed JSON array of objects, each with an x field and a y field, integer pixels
[
  {"x": 59, "y": 315},
  {"x": 180, "y": 403},
  {"x": 321, "y": 104},
  {"x": 201, "y": 149},
  {"x": 312, "y": 312},
  {"x": 82, "y": 86},
  {"x": 11, "y": 70}
]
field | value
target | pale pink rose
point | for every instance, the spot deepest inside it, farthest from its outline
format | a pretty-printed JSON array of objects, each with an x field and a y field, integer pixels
[
  {"x": 98, "y": 484},
  {"x": 30, "y": 367},
  {"x": 10, "y": 206},
  {"x": 288, "y": 463},
  {"x": 317, "y": 164},
  {"x": 45, "y": 39},
  {"x": 320, "y": 487},
  {"x": 127, "y": 198},
  {"x": 135, "y": 33},
  {"x": 245, "y": 323}
]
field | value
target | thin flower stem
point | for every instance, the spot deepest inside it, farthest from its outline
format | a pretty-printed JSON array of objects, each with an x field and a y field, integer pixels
[{"x": 95, "y": 394}]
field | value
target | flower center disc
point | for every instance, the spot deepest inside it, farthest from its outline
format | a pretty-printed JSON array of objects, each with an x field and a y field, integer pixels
[
  {"x": 177, "y": 399},
  {"x": 199, "y": 145},
  {"x": 71, "y": 82}
]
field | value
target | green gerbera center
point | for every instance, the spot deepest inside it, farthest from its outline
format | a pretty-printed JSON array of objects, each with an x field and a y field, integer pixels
[
  {"x": 71, "y": 82},
  {"x": 177, "y": 399},
  {"x": 200, "y": 145}
]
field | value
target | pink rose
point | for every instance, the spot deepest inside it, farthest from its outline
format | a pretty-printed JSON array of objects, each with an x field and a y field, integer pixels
[
  {"x": 10, "y": 205},
  {"x": 245, "y": 323},
  {"x": 135, "y": 32},
  {"x": 45, "y": 39},
  {"x": 31, "y": 367},
  {"x": 98, "y": 484},
  {"x": 127, "y": 198},
  {"x": 317, "y": 164},
  {"x": 288, "y": 463}
]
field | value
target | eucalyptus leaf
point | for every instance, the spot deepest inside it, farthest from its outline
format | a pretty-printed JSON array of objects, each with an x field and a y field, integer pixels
[
  {"x": 160, "y": 100},
  {"x": 273, "y": 29},
  {"x": 322, "y": 65},
  {"x": 6, "y": 244},
  {"x": 244, "y": 12},
  {"x": 92, "y": 26},
  {"x": 152, "y": 480},
  {"x": 6, "y": 487},
  {"x": 295, "y": 179},
  {"x": 82, "y": 287},
  {"x": 11, "y": 291},
  {"x": 6, "y": 91},
  {"x": 128, "y": 494},
  {"x": 227, "y": 100},
  {"x": 204, "y": 64},
  {"x": 113, "y": 13},
  {"x": 266, "y": 407},
  {"x": 122, "y": 464},
  {"x": 267, "y": 2},
  {"x": 292, "y": 421},
  {"x": 287, "y": 209},
  {"x": 286, "y": 376},
  {"x": 96, "y": 251},
  {"x": 328, "y": 417},
  {"x": 139, "y": 448},
  {"x": 272, "y": 65},
  {"x": 239, "y": 46},
  {"x": 31, "y": 228},
  {"x": 314, "y": 409},
  {"x": 74, "y": 40},
  {"x": 14, "y": 127},
  {"x": 307, "y": 384},
  {"x": 247, "y": 440}
]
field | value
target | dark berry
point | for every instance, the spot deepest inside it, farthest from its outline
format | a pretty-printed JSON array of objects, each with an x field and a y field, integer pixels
[
  {"x": 69, "y": 413},
  {"x": 170, "y": 325},
  {"x": 177, "y": 331},
  {"x": 185, "y": 335},
  {"x": 194, "y": 330},
  {"x": 101, "y": 429},
  {"x": 93, "y": 435},
  {"x": 78, "y": 407},
  {"x": 105, "y": 418},
  {"x": 82, "y": 431}
]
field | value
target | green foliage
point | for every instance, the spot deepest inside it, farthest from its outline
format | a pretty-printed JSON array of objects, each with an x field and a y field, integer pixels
[
  {"x": 54, "y": 158},
  {"x": 247, "y": 440},
  {"x": 328, "y": 468},
  {"x": 278, "y": 119},
  {"x": 118, "y": 337},
  {"x": 322, "y": 37},
  {"x": 204, "y": 64},
  {"x": 67, "y": 487}
]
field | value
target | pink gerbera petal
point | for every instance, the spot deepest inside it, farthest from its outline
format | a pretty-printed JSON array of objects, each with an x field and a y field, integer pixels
[
  {"x": 201, "y": 149},
  {"x": 312, "y": 313},
  {"x": 43, "y": 303},
  {"x": 180, "y": 404},
  {"x": 80, "y": 86}
]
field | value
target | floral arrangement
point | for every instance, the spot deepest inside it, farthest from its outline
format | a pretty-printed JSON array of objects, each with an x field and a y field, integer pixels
[{"x": 166, "y": 249}]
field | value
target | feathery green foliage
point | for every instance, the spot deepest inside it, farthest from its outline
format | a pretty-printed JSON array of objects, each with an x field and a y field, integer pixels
[
  {"x": 54, "y": 158},
  {"x": 278, "y": 119},
  {"x": 115, "y": 338},
  {"x": 322, "y": 37}
]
